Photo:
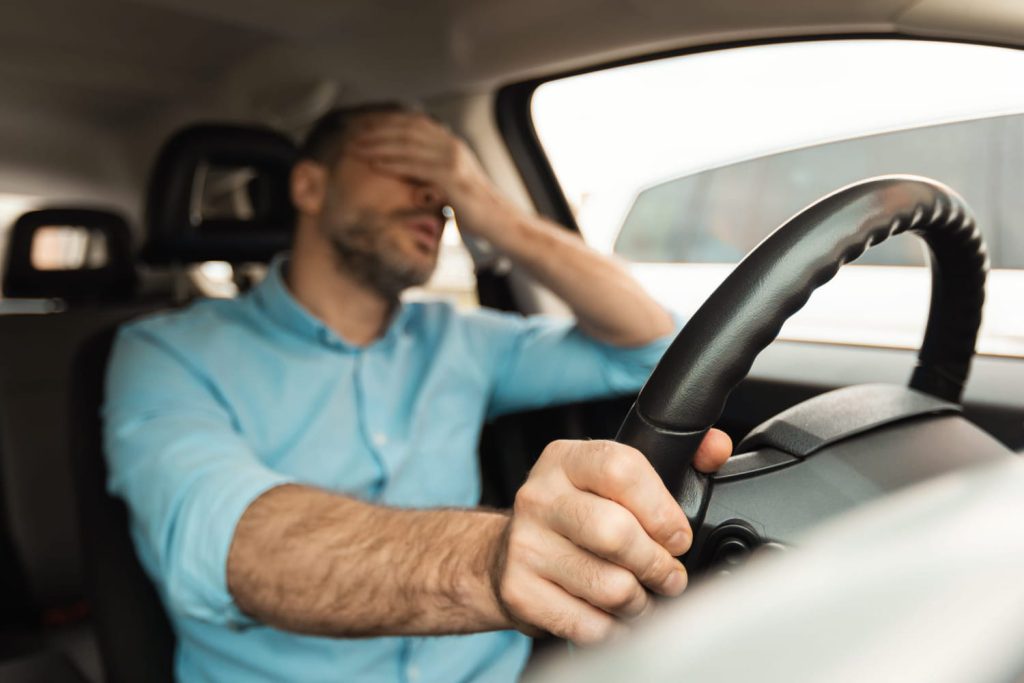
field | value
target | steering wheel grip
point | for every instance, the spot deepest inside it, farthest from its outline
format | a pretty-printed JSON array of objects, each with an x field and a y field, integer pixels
[{"x": 715, "y": 350}]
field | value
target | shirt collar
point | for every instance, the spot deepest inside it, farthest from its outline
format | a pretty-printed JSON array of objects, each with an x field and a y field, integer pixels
[{"x": 276, "y": 300}]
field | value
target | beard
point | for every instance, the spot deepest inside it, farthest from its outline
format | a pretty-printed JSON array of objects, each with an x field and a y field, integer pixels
[{"x": 365, "y": 249}]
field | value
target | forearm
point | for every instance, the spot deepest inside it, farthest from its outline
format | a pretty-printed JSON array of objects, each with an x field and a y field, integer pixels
[
  {"x": 609, "y": 304},
  {"x": 310, "y": 561}
]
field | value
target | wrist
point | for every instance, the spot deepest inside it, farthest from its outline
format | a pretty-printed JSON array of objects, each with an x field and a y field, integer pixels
[
  {"x": 486, "y": 553},
  {"x": 497, "y": 555}
]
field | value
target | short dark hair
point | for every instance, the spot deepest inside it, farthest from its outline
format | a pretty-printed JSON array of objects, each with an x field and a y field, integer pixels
[{"x": 326, "y": 138}]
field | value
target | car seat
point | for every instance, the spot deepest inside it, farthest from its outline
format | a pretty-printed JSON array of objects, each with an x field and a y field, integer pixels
[
  {"x": 41, "y": 585},
  {"x": 136, "y": 639}
]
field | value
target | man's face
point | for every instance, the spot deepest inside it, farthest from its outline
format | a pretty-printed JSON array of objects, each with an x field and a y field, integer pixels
[{"x": 385, "y": 230}]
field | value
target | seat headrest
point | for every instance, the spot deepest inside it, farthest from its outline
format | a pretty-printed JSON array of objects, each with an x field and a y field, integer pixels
[
  {"x": 99, "y": 266},
  {"x": 220, "y": 193}
]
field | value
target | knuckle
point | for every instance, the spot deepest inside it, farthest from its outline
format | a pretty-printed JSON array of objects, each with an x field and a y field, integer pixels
[
  {"x": 523, "y": 499},
  {"x": 619, "y": 466},
  {"x": 613, "y": 534},
  {"x": 619, "y": 590},
  {"x": 529, "y": 497},
  {"x": 562, "y": 445},
  {"x": 554, "y": 451}
]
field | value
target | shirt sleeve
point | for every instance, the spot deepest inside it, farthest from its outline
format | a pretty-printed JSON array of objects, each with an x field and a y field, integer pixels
[
  {"x": 546, "y": 361},
  {"x": 176, "y": 458}
]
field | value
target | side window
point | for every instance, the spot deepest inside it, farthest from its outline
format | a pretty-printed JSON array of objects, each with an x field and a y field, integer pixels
[
  {"x": 68, "y": 247},
  {"x": 692, "y": 218},
  {"x": 681, "y": 166}
]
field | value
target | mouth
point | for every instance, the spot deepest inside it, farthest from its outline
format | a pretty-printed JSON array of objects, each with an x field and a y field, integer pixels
[{"x": 426, "y": 230}]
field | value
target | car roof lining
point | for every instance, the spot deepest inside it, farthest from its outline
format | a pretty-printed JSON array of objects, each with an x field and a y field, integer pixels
[
  {"x": 101, "y": 85},
  {"x": 259, "y": 58}
]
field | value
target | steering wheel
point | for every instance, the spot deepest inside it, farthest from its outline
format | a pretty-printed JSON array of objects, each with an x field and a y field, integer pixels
[{"x": 830, "y": 443}]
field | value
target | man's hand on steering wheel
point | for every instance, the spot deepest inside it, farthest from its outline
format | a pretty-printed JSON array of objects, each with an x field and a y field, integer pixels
[{"x": 593, "y": 529}]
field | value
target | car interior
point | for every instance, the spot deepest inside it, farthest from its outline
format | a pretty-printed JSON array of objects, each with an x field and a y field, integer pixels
[{"x": 145, "y": 150}]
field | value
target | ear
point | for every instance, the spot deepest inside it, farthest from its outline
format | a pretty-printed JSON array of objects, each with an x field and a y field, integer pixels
[{"x": 308, "y": 187}]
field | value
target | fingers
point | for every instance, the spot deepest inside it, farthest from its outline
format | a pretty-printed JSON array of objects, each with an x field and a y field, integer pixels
[
  {"x": 408, "y": 146},
  {"x": 609, "y": 531},
  {"x": 600, "y": 583},
  {"x": 416, "y": 147},
  {"x": 622, "y": 474},
  {"x": 713, "y": 451},
  {"x": 402, "y": 130},
  {"x": 388, "y": 155},
  {"x": 408, "y": 162},
  {"x": 386, "y": 149},
  {"x": 592, "y": 526},
  {"x": 398, "y": 136},
  {"x": 536, "y": 600},
  {"x": 404, "y": 169}
]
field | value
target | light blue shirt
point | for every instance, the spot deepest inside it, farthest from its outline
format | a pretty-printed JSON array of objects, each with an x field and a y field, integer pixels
[{"x": 209, "y": 407}]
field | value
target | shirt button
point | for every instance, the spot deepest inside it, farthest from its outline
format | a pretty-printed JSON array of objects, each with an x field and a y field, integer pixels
[
  {"x": 413, "y": 673},
  {"x": 380, "y": 439}
]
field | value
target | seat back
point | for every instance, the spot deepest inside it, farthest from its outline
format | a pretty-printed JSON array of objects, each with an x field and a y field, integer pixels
[
  {"x": 36, "y": 490},
  {"x": 40, "y": 549},
  {"x": 36, "y": 443},
  {"x": 136, "y": 639}
]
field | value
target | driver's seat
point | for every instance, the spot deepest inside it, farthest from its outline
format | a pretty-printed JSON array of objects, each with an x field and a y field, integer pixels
[{"x": 136, "y": 639}]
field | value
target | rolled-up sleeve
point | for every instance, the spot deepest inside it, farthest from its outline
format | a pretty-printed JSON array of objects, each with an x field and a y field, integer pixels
[
  {"x": 176, "y": 458},
  {"x": 543, "y": 361}
]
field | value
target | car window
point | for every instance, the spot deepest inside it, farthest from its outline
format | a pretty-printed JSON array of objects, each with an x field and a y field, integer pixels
[
  {"x": 692, "y": 219},
  {"x": 681, "y": 166},
  {"x": 68, "y": 247}
]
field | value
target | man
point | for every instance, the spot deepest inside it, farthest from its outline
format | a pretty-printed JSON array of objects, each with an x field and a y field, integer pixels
[{"x": 291, "y": 459}]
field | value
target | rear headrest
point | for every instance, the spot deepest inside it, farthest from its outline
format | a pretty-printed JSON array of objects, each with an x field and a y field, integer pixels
[
  {"x": 79, "y": 255},
  {"x": 220, "y": 193}
]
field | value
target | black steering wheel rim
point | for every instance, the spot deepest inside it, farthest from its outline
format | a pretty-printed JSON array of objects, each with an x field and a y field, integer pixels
[{"x": 687, "y": 391}]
